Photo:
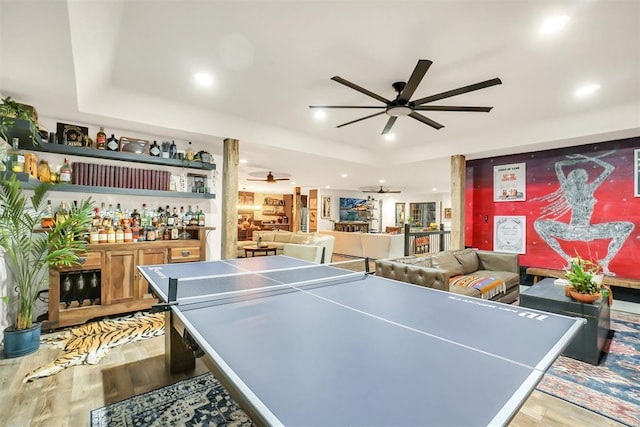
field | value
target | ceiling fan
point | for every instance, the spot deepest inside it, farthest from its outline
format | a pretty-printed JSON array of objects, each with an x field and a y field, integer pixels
[
  {"x": 270, "y": 179},
  {"x": 402, "y": 106},
  {"x": 381, "y": 191}
]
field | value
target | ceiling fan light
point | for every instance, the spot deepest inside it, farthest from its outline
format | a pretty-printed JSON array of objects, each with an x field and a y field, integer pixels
[{"x": 399, "y": 110}]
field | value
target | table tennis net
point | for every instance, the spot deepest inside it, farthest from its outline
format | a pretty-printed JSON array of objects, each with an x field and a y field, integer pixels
[{"x": 196, "y": 292}]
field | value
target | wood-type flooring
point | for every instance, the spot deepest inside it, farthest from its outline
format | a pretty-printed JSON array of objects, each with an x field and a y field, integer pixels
[{"x": 67, "y": 398}]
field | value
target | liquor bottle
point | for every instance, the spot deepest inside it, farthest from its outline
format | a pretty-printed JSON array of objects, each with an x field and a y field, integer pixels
[
  {"x": 111, "y": 235},
  {"x": 175, "y": 233},
  {"x": 155, "y": 150},
  {"x": 44, "y": 171},
  {"x": 15, "y": 157},
  {"x": 94, "y": 235},
  {"x": 80, "y": 291},
  {"x": 188, "y": 217},
  {"x": 145, "y": 217},
  {"x": 94, "y": 288},
  {"x": 101, "y": 139},
  {"x": 47, "y": 216},
  {"x": 119, "y": 234},
  {"x": 201, "y": 218},
  {"x": 173, "y": 150},
  {"x": 168, "y": 216},
  {"x": 97, "y": 218},
  {"x": 176, "y": 217},
  {"x": 112, "y": 143},
  {"x": 102, "y": 235},
  {"x": 119, "y": 213},
  {"x": 67, "y": 291},
  {"x": 62, "y": 214},
  {"x": 65, "y": 172},
  {"x": 135, "y": 233},
  {"x": 128, "y": 235}
]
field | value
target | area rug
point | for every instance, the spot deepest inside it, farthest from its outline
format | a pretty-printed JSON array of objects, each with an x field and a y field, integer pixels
[
  {"x": 197, "y": 401},
  {"x": 89, "y": 343},
  {"x": 612, "y": 388}
]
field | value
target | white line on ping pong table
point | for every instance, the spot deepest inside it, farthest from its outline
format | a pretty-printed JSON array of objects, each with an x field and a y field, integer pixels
[{"x": 281, "y": 285}]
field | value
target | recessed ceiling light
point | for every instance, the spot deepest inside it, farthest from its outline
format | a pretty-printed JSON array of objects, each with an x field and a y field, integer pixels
[
  {"x": 320, "y": 114},
  {"x": 203, "y": 79},
  {"x": 587, "y": 90},
  {"x": 243, "y": 161},
  {"x": 554, "y": 24},
  {"x": 327, "y": 186},
  {"x": 381, "y": 181},
  {"x": 344, "y": 175},
  {"x": 434, "y": 189},
  {"x": 390, "y": 136}
]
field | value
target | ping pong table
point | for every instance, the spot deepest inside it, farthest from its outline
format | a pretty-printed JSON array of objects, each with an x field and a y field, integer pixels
[{"x": 297, "y": 343}]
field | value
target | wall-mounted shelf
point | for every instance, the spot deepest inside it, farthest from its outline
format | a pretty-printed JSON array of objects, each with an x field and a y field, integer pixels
[
  {"x": 115, "y": 155},
  {"x": 30, "y": 183}
]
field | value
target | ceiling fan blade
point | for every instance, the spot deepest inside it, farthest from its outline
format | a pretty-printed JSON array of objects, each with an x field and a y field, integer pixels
[
  {"x": 451, "y": 108},
  {"x": 389, "y": 125},
  {"x": 345, "y": 106},
  {"x": 360, "y": 119},
  {"x": 416, "y": 77},
  {"x": 281, "y": 179},
  {"x": 426, "y": 120},
  {"x": 251, "y": 179},
  {"x": 359, "y": 89},
  {"x": 459, "y": 91}
]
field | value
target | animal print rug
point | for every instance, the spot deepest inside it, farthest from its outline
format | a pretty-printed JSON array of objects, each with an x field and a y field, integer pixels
[{"x": 87, "y": 344}]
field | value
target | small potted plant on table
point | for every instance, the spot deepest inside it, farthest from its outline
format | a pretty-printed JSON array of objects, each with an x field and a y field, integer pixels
[{"x": 585, "y": 278}]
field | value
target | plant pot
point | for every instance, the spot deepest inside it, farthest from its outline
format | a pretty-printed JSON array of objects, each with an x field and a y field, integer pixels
[
  {"x": 584, "y": 298},
  {"x": 21, "y": 342}
]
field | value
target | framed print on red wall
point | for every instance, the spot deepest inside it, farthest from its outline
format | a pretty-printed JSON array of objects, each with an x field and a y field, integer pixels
[
  {"x": 636, "y": 171},
  {"x": 509, "y": 182}
]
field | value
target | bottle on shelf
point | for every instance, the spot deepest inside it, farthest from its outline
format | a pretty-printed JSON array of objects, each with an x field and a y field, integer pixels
[
  {"x": 119, "y": 234},
  {"x": 113, "y": 144},
  {"x": 44, "y": 171},
  {"x": 101, "y": 139},
  {"x": 128, "y": 234},
  {"x": 201, "y": 218},
  {"x": 65, "y": 172},
  {"x": 102, "y": 235},
  {"x": 145, "y": 216},
  {"x": 111, "y": 235},
  {"x": 94, "y": 235},
  {"x": 15, "y": 157},
  {"x": 188, "y": 217},
  {"x": 173, "y": 150},
  {"x": 47, "y": 216},
  {"x": 62, "y": 214},
  {"x": 155, "y": 150},
  {"x": 80, "y": 289}
]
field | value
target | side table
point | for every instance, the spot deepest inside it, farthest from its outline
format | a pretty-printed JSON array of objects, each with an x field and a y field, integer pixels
[{"x": 589, "y": 342}]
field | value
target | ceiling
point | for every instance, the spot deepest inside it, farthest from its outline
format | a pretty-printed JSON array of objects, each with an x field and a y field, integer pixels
[{"x": 130, "y": 65}]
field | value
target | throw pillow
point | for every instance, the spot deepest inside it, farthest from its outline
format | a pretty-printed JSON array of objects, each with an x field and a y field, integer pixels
[
  {"x": 446, "y": 261},
  {"x": 469, "y": 260}
]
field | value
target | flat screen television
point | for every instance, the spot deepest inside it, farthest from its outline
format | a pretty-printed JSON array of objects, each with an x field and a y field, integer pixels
[{"x": 352, "y": 209}]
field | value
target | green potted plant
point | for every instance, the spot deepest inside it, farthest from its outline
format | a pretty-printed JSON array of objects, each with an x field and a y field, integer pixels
[
  {"x": 29, "y": 250},
  {"x": 18, "y": 119},
  {"x": 585, "y": 278}
]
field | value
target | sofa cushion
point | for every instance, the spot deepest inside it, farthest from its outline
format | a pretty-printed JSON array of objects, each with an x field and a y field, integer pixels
[
  {"x": 446, "y": 261},
  {"x": 282, "y": 237},
  {"x": 267, "y": 236},
  {"x": 299, "y": 238},
  {"x": 510, "y": 279},
  {"x": 468, "y": 258}
]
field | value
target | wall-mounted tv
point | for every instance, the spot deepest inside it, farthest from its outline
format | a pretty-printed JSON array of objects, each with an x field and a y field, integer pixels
[{"x": 352, "y": 209}]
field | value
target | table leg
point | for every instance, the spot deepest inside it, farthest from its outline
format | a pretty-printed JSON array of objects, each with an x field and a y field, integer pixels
[{"x": 177, "y": 356}]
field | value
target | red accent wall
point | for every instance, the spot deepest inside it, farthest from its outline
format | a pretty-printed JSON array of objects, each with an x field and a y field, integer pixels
[{"x": 615, "y": 201}]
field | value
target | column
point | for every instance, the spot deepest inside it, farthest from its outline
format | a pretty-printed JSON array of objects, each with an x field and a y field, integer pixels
[
  {"x": 229, "y": 236},
  {"x": 458, "y": 177}
]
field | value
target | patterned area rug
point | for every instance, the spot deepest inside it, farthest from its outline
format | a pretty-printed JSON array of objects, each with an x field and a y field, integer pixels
[
  {"x": 87, "y": 344},
  {"x": 198, "y": 401},
  {"x": 612, "y": 388}
]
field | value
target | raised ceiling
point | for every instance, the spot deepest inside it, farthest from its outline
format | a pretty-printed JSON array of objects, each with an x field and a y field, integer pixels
[{"x": 131, "y": 64}]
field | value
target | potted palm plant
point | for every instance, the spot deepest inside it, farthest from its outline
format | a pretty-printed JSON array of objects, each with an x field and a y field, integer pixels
[{"x": 29, "y": 250}]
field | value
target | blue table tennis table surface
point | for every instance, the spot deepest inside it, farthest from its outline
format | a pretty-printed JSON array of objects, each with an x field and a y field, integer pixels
[{"x": 365, "y": 351}]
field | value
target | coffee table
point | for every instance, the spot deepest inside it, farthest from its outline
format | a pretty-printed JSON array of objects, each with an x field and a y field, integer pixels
[
  {"x": 589, "y": 341},
  {"x": 253, "y": 249}
]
